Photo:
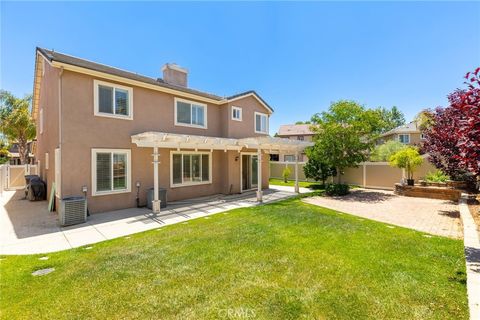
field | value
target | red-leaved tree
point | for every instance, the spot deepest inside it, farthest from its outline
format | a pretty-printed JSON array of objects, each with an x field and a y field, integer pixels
[
  {"x": 453, "y": 137},
  {"x": 441, "y": 144},
  {"x": 468, "y": 130}
]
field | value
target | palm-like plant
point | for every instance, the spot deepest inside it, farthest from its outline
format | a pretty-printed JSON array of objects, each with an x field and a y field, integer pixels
[{"x": 16, "y": 123}]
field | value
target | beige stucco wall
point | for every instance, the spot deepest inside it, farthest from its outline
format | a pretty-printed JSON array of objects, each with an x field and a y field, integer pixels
[
  {"x": 49, "y": 139},
  {"x": 415, "y": 138},
  {"x": 152, "y": 111},
  {"x": 246, "y": 127}
]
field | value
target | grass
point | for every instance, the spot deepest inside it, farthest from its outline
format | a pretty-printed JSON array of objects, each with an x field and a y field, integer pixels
[
  {"x": 286, "y": 260},
  {"x": 291, "y": 183}
]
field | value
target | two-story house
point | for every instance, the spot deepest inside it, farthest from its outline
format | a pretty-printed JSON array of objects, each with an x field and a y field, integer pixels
[
  {"x": 300, "y": 132},
  {"x": 112, "y": 135},
  {"x": 409, "y": 133}
]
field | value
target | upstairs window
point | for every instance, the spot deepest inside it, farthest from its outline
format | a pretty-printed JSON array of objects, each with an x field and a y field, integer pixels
[
  {"x": 112, "y": 100},
  {"x": 237, "y": 113},
  {"x": 261, "y": 123},
  {"x": 289, "y": 158},
  {"x": 190, "y": 114},
  {"x": 404, "y": 138}
]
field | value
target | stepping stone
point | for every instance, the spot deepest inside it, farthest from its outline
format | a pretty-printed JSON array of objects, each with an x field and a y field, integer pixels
[
  {"x": 186, "y": 222},
  {"x": 427, "y": 236},
  {"x": 207, "y": 218},
  {"x": 43, "y": 272},
  {"x": 391, "y": 227},
  {"x": 88, "y": 248},
  {"x": 43, "y": 258},
  {"x": 360, "y": 219},
  {"x": 127, "y": 237}
]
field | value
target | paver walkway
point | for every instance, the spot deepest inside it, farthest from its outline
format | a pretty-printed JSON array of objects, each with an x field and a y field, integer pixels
[
  {"x": 27, "y": 227},
  {"x": 438, "y": 217}
]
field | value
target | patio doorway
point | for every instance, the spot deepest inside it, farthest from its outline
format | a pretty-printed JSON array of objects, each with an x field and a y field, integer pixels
[{"x": 249, "y": 170}]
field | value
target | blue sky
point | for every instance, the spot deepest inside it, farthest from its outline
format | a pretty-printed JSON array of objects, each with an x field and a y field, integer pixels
[{"x": 299, "y": 56}]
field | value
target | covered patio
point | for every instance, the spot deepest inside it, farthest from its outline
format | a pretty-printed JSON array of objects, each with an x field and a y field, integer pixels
[
  {"x": 262, "y": 145},
  {"x": 27, "y": 227}
]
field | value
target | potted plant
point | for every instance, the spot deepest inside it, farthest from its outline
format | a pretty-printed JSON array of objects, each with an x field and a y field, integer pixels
[{"x": 408, "y": 159}]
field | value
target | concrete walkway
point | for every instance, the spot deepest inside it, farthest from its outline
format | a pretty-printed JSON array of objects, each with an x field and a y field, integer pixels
[
  {"x": 433, "y": 216},
  {"x": 27, "y": 227},
  {"x": 472, "y": 255}
]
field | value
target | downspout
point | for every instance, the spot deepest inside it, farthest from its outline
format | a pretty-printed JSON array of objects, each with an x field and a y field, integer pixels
[{"x": 60, "y": 142}]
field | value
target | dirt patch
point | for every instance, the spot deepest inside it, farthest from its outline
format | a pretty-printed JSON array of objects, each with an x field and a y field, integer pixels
[{"x": 474, "y": 206}]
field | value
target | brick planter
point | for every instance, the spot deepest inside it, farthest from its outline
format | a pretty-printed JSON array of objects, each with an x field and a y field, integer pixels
[
  {"x": 449, "y": 184},
  {"x": 427, "y": 192}
]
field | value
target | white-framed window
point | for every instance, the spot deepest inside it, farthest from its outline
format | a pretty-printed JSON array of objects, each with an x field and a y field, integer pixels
[
  {"x": 190, "y": 168},
  {"x": 422, "y": 136},
  {"x": 289, "y": 158},
  {"x": 261, "y": 123},
  {"x": 236, "y": 113},
  {"x": 112, "y": 100},
  {"x": 404, "y": 138},
  {"x": 47, "y": 161},
  {"x": 111, "y": 171},
  {"x": 41, "y": 120},
  {"x": 190, "y": 114}
]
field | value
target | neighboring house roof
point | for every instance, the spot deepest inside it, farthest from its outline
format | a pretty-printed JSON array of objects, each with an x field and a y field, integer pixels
[
  {"x": 295, "y": 130},
  {"x": 411, "y": 127},
  {"x": 52, "y": 56}
]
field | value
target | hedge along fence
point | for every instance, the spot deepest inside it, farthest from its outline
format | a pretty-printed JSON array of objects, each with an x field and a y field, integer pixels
[{"x": 368, "y": 174}]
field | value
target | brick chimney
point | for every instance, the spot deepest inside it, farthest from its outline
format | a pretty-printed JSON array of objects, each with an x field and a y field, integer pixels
[{"x": 174, "y": 74}]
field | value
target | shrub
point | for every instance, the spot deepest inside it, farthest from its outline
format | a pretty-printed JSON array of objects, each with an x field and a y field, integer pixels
[
  {"x": 286, "y": 174},
  {"x": 408, "y": 159},
  {"x": 337, "y": 189},
  {"x": 384, "y": 151},
  {"x": 436, "y": 176}
]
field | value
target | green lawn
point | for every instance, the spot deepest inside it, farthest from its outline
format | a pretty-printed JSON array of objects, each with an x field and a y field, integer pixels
[
  {"x": 291, "y": 183},
  {"x": 287, "y": 260}
]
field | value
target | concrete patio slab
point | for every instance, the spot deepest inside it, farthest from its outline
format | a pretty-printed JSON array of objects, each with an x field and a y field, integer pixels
[{"x": 28, "y": 227}]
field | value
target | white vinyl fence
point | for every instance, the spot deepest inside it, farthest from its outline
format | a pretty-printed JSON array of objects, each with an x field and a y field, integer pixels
[{"x": 12, "y": 177}]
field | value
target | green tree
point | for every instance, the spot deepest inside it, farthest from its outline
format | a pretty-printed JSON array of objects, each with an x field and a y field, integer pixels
[
  {"x": 286, "y": 173},
  {"x": 408, "y": 159},
  {"x": 302, "y": 122},
  {"x": 16, "y": 123},
  {"x": 345, "y": 134},
  {"x": 384, "y": 151},
  {"x": 3, "y": 151},
  {"x": 316, "y": 167},
  {"x": 391, "y": 118}
]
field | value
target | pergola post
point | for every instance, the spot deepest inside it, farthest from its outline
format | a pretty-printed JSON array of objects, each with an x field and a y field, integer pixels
[
  {"x": 259, "y": 175},
  {"x": 156, "y": 201},
  {"x": 297, "y": 189}
]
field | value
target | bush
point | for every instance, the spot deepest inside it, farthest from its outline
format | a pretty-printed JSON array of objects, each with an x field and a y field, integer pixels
[
  {"x": 384, "y": 151},
  {"x": 286, "y": 173},
  {"x": 436, "y": 176},
  {"x": 335, "y": 189}
]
